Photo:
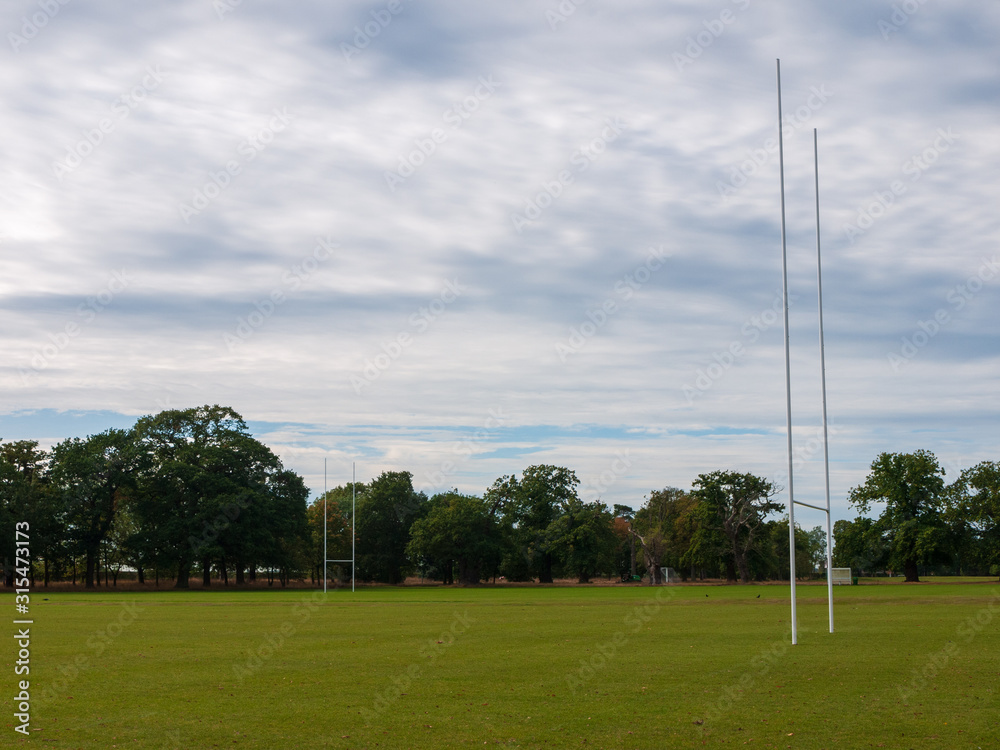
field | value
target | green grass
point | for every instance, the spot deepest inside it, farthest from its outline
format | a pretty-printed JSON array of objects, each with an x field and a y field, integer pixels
[{"x": 700, "y": 666}]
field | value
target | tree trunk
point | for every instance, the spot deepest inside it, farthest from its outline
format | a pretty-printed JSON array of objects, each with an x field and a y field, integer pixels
[
  {"x": 910, "y": 570},
  {"x": 631, "y": 569},
  {"x": 744, "y": 569},
  {"x": 239, "y": 574},
  {"x": 89, "y": 574},
  {"x": 183, "y": 575},
  {"x": 545, "y": 575},
  {"x": 225, "y": 572},
  {"x": 142, "y": 577},
  {"x": 46, "y": 564},
  {"x": 206, "y": 573},
  {"x": 730, "y": 571},
  {"x": 468, "y": 573}
]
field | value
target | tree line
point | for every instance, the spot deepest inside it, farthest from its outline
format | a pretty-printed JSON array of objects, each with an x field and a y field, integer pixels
[
  {"x": 924, "y": 523},
  {"x": 187, "y": 493}
]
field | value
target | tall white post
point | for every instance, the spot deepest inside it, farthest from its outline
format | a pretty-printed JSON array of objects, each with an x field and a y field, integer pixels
[
  {"x": 822, "y": 366},
  {"x": 324, "y": 526},
  {"x": 788, "y": 369},
  {"x": 354, "y": 514}
]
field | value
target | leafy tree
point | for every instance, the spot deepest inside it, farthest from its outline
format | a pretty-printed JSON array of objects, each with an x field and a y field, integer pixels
[
  {"x": 583, "y": 538},
  {"x": 203, "y": 491},
  {"x": 976, "y": 497},
  {"x": 810, "y": 552},
  {"x": 279, "y": 522},
  {"x": 624, "y": 516},
  {"x": 24, "y": 496},
  {"x": 665, "y": 528},
  {"x": 858, "y": 545},
  {"x": 816, "y": 549},
  {"x": 125, "y": 536},
  {"x": 731, "y": 513},
  {"x": 910, "y": 486},
  {"x": 461, "y": 529},
  {"x": 530, "y": 505},
  {"x": 92, "y": 477},
  {"x": 386, "y": 510}
]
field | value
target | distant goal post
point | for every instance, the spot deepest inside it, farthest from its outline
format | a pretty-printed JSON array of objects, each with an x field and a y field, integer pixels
[
  {"x": 841, "y": 576},
  {"x": 670, "y": 576}
]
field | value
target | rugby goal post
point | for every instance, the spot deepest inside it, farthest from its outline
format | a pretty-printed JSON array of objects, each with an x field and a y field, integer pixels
[{"x": 841, "y": 576}]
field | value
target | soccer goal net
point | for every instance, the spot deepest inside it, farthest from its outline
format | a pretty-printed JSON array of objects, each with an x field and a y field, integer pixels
[
  {"x": 841, "y": 576},
  {"x": 670, "y": 576}
]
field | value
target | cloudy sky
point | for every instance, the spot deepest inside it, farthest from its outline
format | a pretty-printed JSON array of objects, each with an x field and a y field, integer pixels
[{"x": 463, "y": 238}]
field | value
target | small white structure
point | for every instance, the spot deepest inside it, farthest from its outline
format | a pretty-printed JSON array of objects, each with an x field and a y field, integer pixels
[
  {"x": 841, "y": 576},
  {"x": 670, "y": 575}
]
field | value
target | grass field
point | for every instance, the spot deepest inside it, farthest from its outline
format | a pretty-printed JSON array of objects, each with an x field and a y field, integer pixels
[{"x": 910, "y": 666}]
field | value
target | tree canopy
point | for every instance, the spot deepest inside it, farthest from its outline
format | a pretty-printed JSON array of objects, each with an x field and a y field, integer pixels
[{"x": 910, "y": 486}]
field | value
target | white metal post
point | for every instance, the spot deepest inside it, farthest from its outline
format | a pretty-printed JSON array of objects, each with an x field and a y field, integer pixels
[
  {"x": 788, "y": 368},
  {"x": 326, "y": 559},
  {"x": 324, "y": 526},
  {"x": 822, "y": 367},
  {"x": 354, "y": 514}
]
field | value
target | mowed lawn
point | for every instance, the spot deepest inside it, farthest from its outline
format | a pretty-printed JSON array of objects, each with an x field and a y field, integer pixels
[{"x": 910, "y": 666}]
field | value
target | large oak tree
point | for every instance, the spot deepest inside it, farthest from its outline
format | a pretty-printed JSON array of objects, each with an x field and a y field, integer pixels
[{"x": 910, "y": 487}]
